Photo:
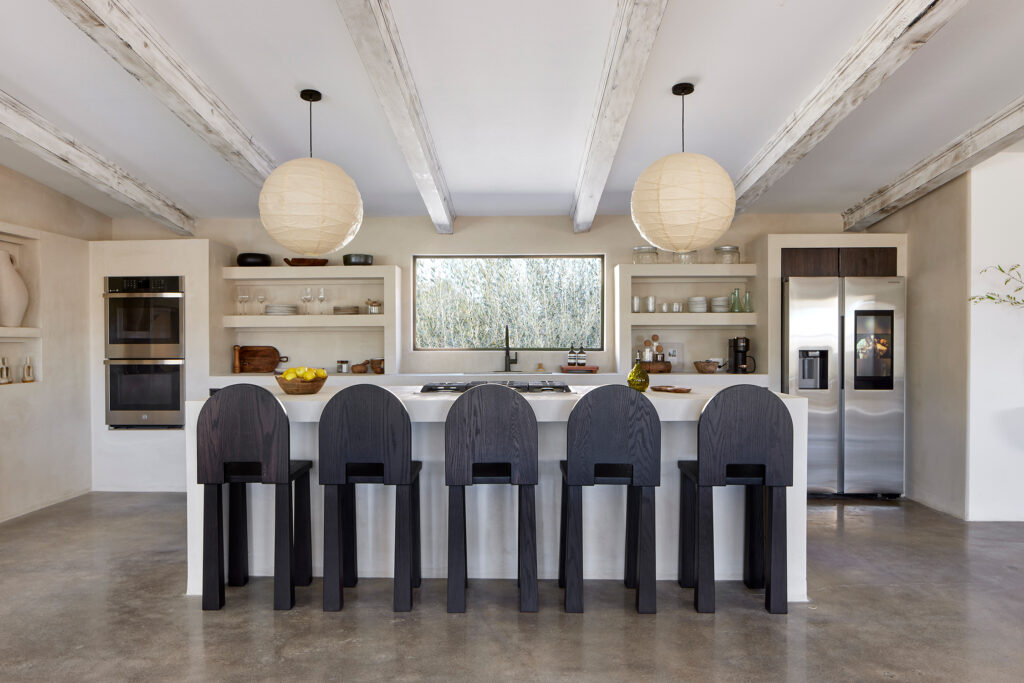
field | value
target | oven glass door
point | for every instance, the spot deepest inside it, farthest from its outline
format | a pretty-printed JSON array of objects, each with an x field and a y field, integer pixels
[
  {"x": 145, "y": 393},
  {"x": 145, "y": 325}
]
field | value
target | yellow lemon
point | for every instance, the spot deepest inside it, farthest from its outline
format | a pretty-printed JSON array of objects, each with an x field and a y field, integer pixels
[
  {"x": 309, "y": 375},
  {"x": 301, "y": 370},
  {"x": 321, "y": 373},
  {"x": 289, "y": 376}
]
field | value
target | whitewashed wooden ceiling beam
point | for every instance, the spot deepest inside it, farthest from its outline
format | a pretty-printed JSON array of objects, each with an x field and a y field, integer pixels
[
  {"x": 32, "y": 132},
  {"x": 632, "y": 37},
  {"x": 988, "y": 138},
  {"x": 904, "y": 27},
  {"x": 117, "y": 27},
  {"x": 373, "y": 29}
]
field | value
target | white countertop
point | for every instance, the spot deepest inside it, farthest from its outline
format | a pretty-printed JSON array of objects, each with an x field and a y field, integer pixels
[{"x": 548, "y": 407}]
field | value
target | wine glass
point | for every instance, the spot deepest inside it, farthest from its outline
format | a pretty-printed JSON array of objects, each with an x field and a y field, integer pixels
[
  {"x": 307, "y": 299},
  {"x": 322, "y": 298},
  {"x": 243, "y": 297},
  {"x": 261, "y": 298}
]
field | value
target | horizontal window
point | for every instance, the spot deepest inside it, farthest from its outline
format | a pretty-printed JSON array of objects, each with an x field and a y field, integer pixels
[{"x": 548, "y": 302}]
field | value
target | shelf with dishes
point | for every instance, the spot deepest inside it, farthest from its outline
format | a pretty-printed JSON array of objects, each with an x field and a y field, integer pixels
[
  {"x": 691, "y": 319},
  {"x": 303, "y": 321},
  {"x": 309, "y": 272}
]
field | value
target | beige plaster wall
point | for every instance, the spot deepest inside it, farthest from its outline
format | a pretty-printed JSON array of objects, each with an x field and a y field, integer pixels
[
  {"x": 24, "y": 201},
  {"x": 44, "y": 450},
  {"x": 938, "y": 319}
]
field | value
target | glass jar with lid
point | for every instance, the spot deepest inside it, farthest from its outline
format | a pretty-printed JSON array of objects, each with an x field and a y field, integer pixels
[
  {"x": 684, "y": 257},
  {"x": 727, "y": 254},
  {"x": 646, "y": 254}
]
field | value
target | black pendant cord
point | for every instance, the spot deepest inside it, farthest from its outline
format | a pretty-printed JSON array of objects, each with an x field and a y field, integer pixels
[
  {"x": 311, "y": 129},
  {"x": 682, "y": 90},
  {"x": 310, "y": 96}
]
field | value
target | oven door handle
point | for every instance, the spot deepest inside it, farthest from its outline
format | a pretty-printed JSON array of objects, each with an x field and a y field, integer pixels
[
  {"x": 146, "y": 361},
  {"x": 143, "y": 295}
]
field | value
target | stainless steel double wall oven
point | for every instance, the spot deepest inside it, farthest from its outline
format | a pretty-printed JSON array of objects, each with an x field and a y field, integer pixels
[{"x": 145, "y": 351}]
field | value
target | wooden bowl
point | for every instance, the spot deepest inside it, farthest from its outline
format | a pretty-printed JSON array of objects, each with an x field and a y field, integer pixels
[
  {"x": 300, "y": 387},
  {"x": 705, "y": 367},
  {"x": 306, "y": 261}
]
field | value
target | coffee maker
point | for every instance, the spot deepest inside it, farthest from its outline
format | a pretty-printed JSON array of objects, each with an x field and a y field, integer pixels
[{"x": 739, "y": 361}]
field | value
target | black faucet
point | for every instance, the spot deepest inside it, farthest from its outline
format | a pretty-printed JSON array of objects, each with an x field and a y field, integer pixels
[{"x": 510, "y": 360}]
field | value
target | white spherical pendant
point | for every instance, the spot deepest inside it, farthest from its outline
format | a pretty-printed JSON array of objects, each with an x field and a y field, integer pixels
[
  {"x": 311, "y": 206},
  {"x": 683, "y": 202}
]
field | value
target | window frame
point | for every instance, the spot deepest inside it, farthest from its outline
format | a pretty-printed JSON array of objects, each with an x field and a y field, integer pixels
[{"x": 604, "y": 303}]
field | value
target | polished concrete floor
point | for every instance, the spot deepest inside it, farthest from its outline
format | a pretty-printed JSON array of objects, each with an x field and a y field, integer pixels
[{"x": 92, "y": 589}]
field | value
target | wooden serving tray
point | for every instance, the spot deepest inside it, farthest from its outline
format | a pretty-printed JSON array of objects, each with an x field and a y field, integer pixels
[
  {"x": 580, "y": 369},
  {"x": 256, "y": 359},
  {"x": 671, "y": 389}
]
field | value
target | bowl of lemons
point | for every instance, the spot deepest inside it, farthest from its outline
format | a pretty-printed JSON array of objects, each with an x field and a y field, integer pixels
[{"x": 301, "y": 381}]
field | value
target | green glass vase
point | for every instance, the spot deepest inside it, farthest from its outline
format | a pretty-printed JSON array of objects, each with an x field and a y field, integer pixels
[{"x": 638, "y": 378}]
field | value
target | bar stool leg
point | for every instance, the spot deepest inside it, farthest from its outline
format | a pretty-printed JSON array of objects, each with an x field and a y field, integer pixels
[
  {"x": 403, "y": 548},
  {"x": 465, "y": 544},
  {"x": 334, "y": 595},
  {"x": 348, "y": 535},
  {"x": 632, "y": 515},
  {"x": 687, "y": 570},
  {"x": 776, "y": 599},
  {"x": 284, "y": 581},
  {"x": 303, "y": 549},
  {"x": 646, "y": 590},
  {"x": 238, "y": 535},
  {"x": 561, "y": 535},
  {"x": 572, "y": 548},
  {"x": 417, "y": 567},
  {"x": 704, "y": 595},
  {"x": 457, "y": 549},
  {"x": 528, "y": 597},
  {"x": 213, "y": 547},
  {"x": 753, "y": 541}
]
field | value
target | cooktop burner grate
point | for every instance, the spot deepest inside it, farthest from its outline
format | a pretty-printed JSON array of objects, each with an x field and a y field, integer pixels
[{"x": 542, "y": 386}]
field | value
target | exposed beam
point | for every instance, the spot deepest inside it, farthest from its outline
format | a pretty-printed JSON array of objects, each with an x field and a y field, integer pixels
[
  {"x": 32, "y": 132},
  {"x": 988, "y": 138},
  {"x": 905, "y": 26},
  {"x": 373, "y": 29},
  {"x": 632, "y": 37},
  {"x": 132, "y": 41}
]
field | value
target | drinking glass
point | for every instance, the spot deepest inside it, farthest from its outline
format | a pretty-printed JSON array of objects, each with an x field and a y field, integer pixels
[
  {"x": 307, "y": 299},
  {"x": 322, "y": 298},
  {"x": 243, "y": 297},
  {"x": 261, "y": 298}
]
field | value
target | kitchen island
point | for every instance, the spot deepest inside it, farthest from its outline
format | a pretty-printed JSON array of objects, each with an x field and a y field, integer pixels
[{"x": 491, "y": 510}]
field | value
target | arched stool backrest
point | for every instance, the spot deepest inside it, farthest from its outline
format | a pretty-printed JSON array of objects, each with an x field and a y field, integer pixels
[
  {"x": 614, "y": 425},
  {"x": 745, "y": 425},
  {"x": 490, "y": 424},
  {"x": 243, "y": 425},
  {"x": 365, "y": 424}
]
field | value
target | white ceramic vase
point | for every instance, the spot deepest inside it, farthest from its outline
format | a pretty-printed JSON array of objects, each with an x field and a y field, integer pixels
[{"x": 13, "y": 293}]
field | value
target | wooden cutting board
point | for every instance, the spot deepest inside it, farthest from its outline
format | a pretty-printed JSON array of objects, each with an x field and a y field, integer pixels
[{"x": 257, "y": 359}]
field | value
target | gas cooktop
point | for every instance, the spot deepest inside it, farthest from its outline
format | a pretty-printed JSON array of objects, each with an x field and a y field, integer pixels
[{"x": 542, "y": 386}]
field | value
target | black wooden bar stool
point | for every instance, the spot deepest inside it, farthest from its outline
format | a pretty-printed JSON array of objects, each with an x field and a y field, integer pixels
[
  {"x": 242, "y": 438},
  {"x": 366, "y": 438},
  {"x": 491, "y": 438},
  {"x": 614, "y": 437},
  {"x": 744, "y": 437}
]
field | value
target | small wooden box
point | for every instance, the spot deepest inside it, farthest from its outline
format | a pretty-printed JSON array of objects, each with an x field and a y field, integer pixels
[
  {"x": 655, "y": 367},
  {"x": 580, "y": 369}
]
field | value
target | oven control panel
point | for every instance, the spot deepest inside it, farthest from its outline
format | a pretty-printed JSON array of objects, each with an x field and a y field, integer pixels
[{"x": 143, "y": 285}]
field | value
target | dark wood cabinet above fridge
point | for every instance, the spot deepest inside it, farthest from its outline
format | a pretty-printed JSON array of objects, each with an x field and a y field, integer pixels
[{"x": 839, "y": 262}]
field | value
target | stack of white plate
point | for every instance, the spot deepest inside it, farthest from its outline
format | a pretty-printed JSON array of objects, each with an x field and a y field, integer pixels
[
  {"x": 719, "y": 304},
  {"x": 697, "y": 304},
  {"x": 282, "y": 309}
]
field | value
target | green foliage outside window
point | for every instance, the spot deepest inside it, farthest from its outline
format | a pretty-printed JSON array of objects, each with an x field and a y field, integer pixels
[{"x": 548, "y": 302}]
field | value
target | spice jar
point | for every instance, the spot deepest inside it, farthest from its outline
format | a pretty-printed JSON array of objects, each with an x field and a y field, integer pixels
[{"x": 727, "y": 254}]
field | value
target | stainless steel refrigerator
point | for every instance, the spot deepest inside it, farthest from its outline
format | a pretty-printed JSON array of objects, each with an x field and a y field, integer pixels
[{"x": 845, "y": 350}]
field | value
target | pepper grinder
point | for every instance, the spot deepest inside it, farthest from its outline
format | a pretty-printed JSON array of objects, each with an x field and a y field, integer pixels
[
  {"x": 5, "y": 372},
  {"x": 26, "y": 372}
]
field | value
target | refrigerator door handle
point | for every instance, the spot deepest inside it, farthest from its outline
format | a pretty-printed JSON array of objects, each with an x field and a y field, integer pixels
[{"x": 842, "y": 353}]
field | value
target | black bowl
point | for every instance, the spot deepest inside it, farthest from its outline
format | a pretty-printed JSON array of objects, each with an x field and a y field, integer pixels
[
  {"x": 250, "y": 259},
  {"x": 357, "y": 259}
]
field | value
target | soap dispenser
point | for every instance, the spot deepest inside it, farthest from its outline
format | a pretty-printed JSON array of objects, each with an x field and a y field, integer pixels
[{"x": 5, "y": 372}]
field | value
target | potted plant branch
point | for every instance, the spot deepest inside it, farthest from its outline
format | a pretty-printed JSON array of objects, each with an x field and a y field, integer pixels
[{"x": 1013, "y": 278}]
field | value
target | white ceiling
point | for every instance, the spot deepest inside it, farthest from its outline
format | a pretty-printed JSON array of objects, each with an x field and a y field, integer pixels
[{"x": 508, "y": 90}]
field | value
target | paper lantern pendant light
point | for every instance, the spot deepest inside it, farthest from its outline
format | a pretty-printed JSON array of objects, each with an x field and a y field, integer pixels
[
  {"x": 684, "y": 201},
  {"x": 310, "y": 206}
]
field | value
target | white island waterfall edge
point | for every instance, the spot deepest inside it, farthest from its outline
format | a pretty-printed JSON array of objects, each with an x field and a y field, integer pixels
[{"x": 491, "y": 510}]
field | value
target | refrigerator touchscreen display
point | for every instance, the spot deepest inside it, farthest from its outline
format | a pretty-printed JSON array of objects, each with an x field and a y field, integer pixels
[{"x": 873, "y": 351}]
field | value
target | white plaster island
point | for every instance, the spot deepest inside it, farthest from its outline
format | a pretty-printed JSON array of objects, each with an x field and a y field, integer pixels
[{"x": 491, "y": 510}]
